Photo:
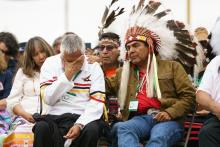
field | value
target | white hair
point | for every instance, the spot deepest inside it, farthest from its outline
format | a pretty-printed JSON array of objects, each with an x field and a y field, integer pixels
[{"x": 72, "y": 43}]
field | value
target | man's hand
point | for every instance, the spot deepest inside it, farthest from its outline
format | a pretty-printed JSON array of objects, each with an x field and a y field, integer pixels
[
  {"x": 71, "y": 68},
  {"x": 73, "y": 132},
  {"x": 162, "y": 116},
  {"x": 202, "y": 112}
]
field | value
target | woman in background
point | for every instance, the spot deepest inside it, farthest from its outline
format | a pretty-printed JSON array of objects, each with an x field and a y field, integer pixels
[
  {"x": 9, "y": 46},
  {"x": 23, "y": 100},
  {"x": 5, "y": 88},
  {"x": 5, "y": 78}
]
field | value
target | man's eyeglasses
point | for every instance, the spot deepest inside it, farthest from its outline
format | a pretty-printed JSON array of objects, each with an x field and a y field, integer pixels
[{"x": 108, "y": 47}]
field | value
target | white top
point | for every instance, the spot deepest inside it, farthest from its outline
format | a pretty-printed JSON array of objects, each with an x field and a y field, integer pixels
[
  {"x": 83, "y": 96},
  {"x": 211, "y": 79},
  {"x": 25, "y": 91}
]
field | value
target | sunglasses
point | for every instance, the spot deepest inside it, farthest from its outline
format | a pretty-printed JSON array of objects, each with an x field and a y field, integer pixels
[{"x": 108, "y": 47}]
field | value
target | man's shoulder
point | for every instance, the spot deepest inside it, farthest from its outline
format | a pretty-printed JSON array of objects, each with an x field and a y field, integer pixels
[
  {"x": 54, "y": 58},
  {"x": 215, "y": 61},
  {"x": 214, "y": 64},
  {"x": 94, "y": 67},
  {"x": 168, "y": 63},
  {"x": 52, "y": 61}
]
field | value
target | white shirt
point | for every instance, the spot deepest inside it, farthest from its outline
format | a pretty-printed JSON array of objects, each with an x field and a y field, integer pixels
[
  {"x": 83, "y": 96},
  {"x": 211, "y": 79},
  {"x": 25, "y": 91}
]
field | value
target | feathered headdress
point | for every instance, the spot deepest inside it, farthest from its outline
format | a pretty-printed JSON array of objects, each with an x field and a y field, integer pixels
[
  {"x": 109, "y": 16},
  {"x": 169, "y": 38}
]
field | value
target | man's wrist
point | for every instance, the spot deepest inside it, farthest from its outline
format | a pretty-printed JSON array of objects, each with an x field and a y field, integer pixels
[
  {"x": 81, "y": 126},
  {"x": 212, "y": 106}
]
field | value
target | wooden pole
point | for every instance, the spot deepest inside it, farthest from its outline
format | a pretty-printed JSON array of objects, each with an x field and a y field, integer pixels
[
  {"x": 188, "y": 11},
  {"x": 66, "y": 15}
]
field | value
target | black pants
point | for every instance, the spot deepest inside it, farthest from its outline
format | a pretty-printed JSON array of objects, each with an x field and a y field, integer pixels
[
  {"x": 210, "y": 132},
  {"x": 49, "y": 131}
]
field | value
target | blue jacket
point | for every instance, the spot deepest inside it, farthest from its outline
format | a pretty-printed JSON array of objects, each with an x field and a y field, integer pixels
[{"x": 5, "y": 83}]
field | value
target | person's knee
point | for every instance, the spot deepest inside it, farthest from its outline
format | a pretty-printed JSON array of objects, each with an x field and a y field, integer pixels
[
  {"x": 115, "y": 127},
  {"x": 167, "y": 133},
  {"x": 204, "y": 132},
  {"x": 41, "y": 127},
  {"x": 92, "y": 129},
  {"x": 123, "y": 126},
  {"x": 114, "y": 130}
]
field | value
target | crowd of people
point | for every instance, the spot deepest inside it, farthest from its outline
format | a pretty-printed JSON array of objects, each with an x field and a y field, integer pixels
[{"x": 135, "y": 89}]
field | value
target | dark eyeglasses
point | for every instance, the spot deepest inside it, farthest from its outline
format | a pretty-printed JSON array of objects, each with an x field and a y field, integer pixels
[{"x": 108, "y": 47}]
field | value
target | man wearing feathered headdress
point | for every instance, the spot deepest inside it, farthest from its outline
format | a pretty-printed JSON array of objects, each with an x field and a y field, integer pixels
[{"x": 154, "y": 93}]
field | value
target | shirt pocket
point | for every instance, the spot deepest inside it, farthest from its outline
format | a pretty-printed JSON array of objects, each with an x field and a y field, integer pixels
[{"x": 167, "y": 86}]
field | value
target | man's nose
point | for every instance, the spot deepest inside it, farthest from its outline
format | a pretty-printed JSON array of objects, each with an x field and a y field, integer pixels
[{"x": 105, "y": 50}]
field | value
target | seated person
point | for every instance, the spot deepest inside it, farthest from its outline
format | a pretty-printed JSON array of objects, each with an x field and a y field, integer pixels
[
  {"x": 24, "y": 97},
  {"x": 208, "y": 96},
  {"x": 154, "y": 92},
  {"x": 109, "y": 49},
  {"x": 23, "y": 100},
  {"x": 5, "y": 88},
  {"x": 5, "y": 78},
  {"x": 9, "y": 46},
  {"x": 74, "y": 91}
]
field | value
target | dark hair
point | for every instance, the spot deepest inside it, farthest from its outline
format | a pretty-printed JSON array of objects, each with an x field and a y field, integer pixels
[
  {"x": 112, "y": 36},
  {"x": 210, "y": 55},
  {"x": 11, "y": 43},
  {"x": 57, "y": 41},
  {"x": 3, "y": 63}
]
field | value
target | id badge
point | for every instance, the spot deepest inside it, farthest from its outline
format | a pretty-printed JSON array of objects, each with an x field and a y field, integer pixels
[{"x": 133, "y": 106}]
